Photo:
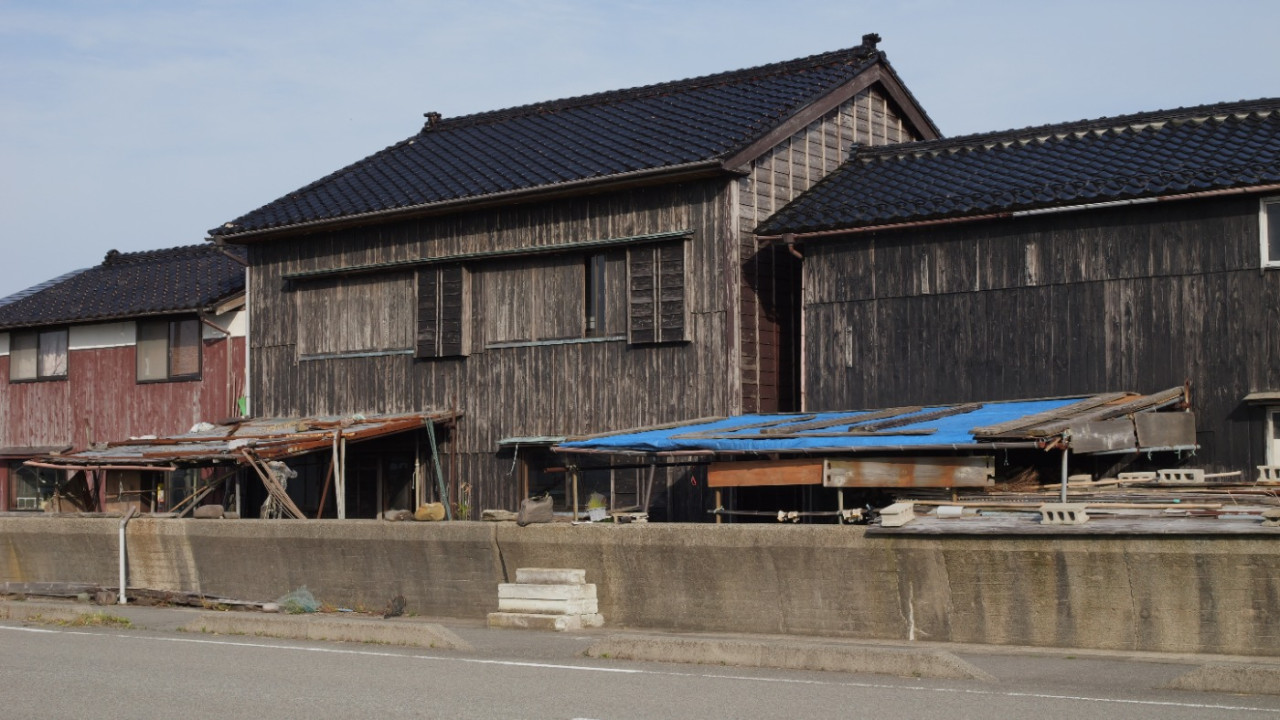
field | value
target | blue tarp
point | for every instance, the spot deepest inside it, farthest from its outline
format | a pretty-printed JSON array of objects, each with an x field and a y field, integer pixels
[{"x": 950, "y": 430}]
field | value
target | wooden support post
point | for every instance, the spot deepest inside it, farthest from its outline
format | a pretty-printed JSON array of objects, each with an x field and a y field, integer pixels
[
  {"x": 573, "y": 478},
  {"x": 324, "y": 494},
  {"x": 341, "y": 495},
  {"x": 648, "y": 486},
  {"x": 435, "y": 459},
  {"x": 840, "y": 506},
  {"x": 719, "y": 506}
]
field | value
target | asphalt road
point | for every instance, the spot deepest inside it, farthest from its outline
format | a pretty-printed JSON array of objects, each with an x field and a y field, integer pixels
[{"x": 51, "y": 672}]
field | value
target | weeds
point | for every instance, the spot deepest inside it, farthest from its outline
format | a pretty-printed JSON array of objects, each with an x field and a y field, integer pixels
[{"x": 93, "y": 619}]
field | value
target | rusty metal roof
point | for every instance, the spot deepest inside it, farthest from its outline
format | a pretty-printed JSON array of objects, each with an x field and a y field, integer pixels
[{"x": 259, "y": 438}]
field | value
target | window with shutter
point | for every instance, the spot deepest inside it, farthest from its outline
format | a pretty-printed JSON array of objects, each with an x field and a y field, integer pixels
[
  {"x": 443, "y": 298},
  {"x": 656, "y": 293}
]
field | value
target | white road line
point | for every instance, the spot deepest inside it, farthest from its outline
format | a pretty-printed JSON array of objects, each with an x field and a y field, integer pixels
[{"x": 665, "y": 673}]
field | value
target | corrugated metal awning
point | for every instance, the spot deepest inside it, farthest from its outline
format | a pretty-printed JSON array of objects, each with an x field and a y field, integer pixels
[
  {"x": 262, "y": 438},
  {"x": 22, "y": 453}
]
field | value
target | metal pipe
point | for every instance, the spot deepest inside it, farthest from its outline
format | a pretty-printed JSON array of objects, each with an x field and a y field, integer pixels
[
  {"x": 140, "y": 468},
  {"x": 123, "y": 565},
  {"x": 1062, "y": 495}
]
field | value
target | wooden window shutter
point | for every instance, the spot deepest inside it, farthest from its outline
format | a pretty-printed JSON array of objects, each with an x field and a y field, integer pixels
[
  {"x": 656, "y": 300},
  {"x": 442, "y": 312}
]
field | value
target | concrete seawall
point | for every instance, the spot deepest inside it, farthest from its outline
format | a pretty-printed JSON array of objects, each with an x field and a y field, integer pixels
[{"x": 1218, "y": 594}]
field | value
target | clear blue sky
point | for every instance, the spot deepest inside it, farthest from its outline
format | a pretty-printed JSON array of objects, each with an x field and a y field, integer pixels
[{"x": 136, "y": 125}]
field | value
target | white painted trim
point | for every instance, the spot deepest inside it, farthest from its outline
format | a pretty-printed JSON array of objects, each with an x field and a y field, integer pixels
[
  {"x": 1263, "y": 230},
  {"x": 236, "y": 321},
  {"x": 104, "y": 335}
]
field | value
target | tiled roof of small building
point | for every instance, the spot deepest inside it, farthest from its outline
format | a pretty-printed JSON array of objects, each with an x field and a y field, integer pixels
[
  {"x": 131, "y": 285},
  {"x": 1210, "y": 147},
  {"x": 544, "y": 145}
]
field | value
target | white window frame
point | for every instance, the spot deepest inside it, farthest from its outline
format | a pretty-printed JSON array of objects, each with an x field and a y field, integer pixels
[{"x": 1264, "y": 230}]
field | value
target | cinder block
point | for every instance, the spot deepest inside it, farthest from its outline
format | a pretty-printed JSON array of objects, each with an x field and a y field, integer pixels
[
  {"x": 551, "y": 576},
  {"x": 1137, "y": 476},
  {"x": 548, "y": 607},
  {"x": 527, "y": 591},
  {"x": 1063, "y": 514},
  {"x": 897, "y": 514},
  {"x": 1269, "y": 473},
  {"x": 1181, "y": 475}
]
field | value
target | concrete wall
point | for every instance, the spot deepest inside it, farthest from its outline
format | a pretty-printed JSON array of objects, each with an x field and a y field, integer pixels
[{"x": 1217, "y": 594}]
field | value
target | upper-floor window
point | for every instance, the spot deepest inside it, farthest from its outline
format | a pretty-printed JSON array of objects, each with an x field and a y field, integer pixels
[
  {"x": 168, "y": 350},
  {"x": 1269, "y": 224},
  {"x": 656, "y": 309},
  {"x": 38, "y": 355},
  {"x": 444, "y": 299}
]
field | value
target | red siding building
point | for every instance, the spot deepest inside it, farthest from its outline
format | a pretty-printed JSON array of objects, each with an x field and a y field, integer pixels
[{"x": 145, "y": 343}]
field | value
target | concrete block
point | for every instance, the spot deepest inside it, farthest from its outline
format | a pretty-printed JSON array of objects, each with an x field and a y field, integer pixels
[
  {"x": 1137, "y": 476},
  {"x": 548, "y": 607},
  {"x": 1063, "y": 514},
  {"x": 535, "y": 621},
  {"x": 897, "y": 514},
  {"x": 551, "y": 576},
  {"x": 1181, "y": 475},
  {"x": 528, "y": 591},
  {"x": 1269, "y": 473}
]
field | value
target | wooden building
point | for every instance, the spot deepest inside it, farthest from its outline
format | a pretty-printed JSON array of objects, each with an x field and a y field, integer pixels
[
  {"x": 561, "y": 268},
  {"x": 144, "y": 343},
  {"x": 1134, "y": 252}
]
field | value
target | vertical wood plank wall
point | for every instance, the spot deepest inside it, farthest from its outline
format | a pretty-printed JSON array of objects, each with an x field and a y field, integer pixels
[
  {"x": 1139, "y": 298},
  {"x": 551, "y": 389},
  {"x": 769, "y": 288}
]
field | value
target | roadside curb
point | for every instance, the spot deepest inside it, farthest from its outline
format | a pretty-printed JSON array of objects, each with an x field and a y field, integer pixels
[
  {"x": 310, "y": 627},
  {"x": 1230, "y": 678},
  {"x": 36, "y": 612},
  {"x": 790, "y": 655}
]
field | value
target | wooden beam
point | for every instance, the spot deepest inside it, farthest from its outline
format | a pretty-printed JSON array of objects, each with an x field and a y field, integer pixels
[{"x": 765, "y": 473}]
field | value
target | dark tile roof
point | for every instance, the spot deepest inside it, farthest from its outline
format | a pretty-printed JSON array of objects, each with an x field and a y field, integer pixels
[
  {"x": 131, "y": 285},
  {"x": 578, "y": 139},
  {"x": 1135, "y": 156},
  {"x": 37, "y": 288}
]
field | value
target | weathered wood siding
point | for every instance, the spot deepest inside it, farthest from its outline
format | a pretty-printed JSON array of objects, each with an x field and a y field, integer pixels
[
  {"x": 575, "y": 386},
  {"x": 770, "y": 280},
  {"x": 1139, "y": 298}
]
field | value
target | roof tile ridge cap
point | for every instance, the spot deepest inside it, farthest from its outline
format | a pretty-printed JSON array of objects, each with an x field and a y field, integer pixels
[
  {"x": 115, "y": 257},
  {"x": 1053, "y": 187},
  {"x": 857, "y": 55},
  {"x": 1262, "y": 107}
]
